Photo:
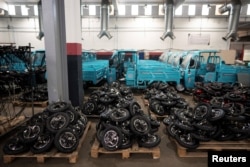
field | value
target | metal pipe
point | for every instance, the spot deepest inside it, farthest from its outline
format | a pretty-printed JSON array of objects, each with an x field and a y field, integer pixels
[
  {"x": 104, "y": 20},
  {"x": 234, "y": 9},
  {"x": 40, "y": 21},
  {"x": 169, "y": 16}
]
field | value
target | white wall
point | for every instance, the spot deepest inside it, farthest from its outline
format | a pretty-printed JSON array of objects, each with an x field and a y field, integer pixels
[
  {"x": 21, "y": 32},
  {"x": 128, "y": 33}
]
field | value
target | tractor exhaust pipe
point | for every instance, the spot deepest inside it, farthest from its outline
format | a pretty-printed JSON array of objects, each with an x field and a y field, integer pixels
[
  {"x": 104, "y": 20},
  {"x": 234, "y": 8},
  {"x": 169, "y": 16}
]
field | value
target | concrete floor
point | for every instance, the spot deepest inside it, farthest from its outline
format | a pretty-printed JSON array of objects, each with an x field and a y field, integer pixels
[{"x": 168, "y": 156}]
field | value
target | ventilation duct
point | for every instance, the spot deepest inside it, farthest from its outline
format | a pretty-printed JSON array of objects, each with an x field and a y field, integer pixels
[
  {"x": 234, "y": 9},
  {"x": 104, "y": 20},
  {"x": 169, "y": 16},
  {"x": 40, "y": 20}
]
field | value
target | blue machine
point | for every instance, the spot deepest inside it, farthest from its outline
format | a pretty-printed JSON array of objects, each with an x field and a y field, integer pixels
[
  {"x": 141, "y": 73},
  {"x": 93, "y": 70}
]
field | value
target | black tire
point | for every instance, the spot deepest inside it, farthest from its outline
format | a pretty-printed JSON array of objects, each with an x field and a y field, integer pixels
[
  {"x": 89, "y": 108},
  {"x": 168, "y": 120},
  {"x": 39, "y": 118},
  {"x": 106, "y": 98},
  {"x": 186, "y": 126},
  {"x": 216, "y": 114},
  {"x": 66, "y": 141},
  {"x": 140, "y": 125},
  {"x": 58, "y": 106},
  {"x": 204, "y": 125},
  {"x": 202, "y": 111},
  {"x": 134, "y": 107},
  {"x": 31, "y": 132},
  {"x": 187, "y": 141},
  {"x": 112, "y": 138},
  {"x": 126, "y": 142},
  {"x": 78, "y": 129},
  {"x": 149, "y": 141},
  {"x": 158, "y": 109},
  {"x": 233, "y": 97},
  {"x": 119, "y": 115},
  {"x": 173, "y": 130},
  {"x": 42, "y": 144},
  {"x": 57, "y": 121},
  {"x": 201, "y": 135},
  {"x": 15, "y": 146},
  {"x": 73, "y": 115}
]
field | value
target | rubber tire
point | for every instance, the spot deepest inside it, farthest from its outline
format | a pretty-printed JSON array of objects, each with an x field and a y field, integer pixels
[
  {"x": 48, "y": 122},
  {"x": 46, "y": 147},
  {"x": 141, "y": 119},
  {"x": 23, "y": 147},
  {"x": 58, "y": 144},
  {"x": 145, "y": 141},
  {"x": 119, "y": 136},
  {"x": 54, "y": 106}
]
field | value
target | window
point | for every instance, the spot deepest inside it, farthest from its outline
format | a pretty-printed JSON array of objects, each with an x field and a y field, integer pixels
[
  {"x": 205, "y": 10},
  {"x": 178, "y": 11},
  {"x": 24, "y": 10},
  {"x": 148, "y": 10},
  {"x": 191, "y": 10},
  {"x": 248, "y": 9},
  {"x": 134, "y": 10},
  {"x": 35, "y": 10},
  {"x": 121, "y": 10},
  {"x": 92, "y": 10},
  {"x": 11, "y": 10}
]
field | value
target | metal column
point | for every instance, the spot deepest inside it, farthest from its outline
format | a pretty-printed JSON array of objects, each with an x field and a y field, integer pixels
[{"x": 55, "y": 46}]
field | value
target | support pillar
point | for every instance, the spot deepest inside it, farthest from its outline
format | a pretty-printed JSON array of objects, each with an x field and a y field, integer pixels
[
  {"x": 55, "y": 47},
  {"x": 74, "y": 50}
]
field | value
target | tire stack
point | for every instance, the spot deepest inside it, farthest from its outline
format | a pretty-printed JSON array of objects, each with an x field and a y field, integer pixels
[
  {"x": 163, "y": 98},
  {"x": 118, "y": 128},
  {"x": 207, "y": 122},
  {"x": 108, "y": 95},
  {"x": 58, "y": 126}
]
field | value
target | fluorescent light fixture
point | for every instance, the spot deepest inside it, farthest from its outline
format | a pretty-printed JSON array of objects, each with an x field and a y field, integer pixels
[
  {"x": 178, "y": 11},
  {"x": 35, "y": 10},
  {"x": 24, "y": 10},
  {"x": 11, "y": 10},
  {"x": 205, "y": 10},
  {"x": 92, "y": 10},
  {"x": 134, "y": 10},
  {"x": 121, "y": 10},
  {"x": 191, "y": 10},
  {"x": 248, "y": 9},
  {"x": 148, "y": 10}
]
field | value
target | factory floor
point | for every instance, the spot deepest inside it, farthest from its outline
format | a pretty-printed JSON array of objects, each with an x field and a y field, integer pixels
[{"x": 168, "y": 154}]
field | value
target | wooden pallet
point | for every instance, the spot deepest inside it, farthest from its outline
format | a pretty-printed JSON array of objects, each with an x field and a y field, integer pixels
[
  {"x": 40, "y": 158},
  {"x": 204, "y": 147},
  {"x": 96, "y": 149},
  {"x": 29, "y": 104}
]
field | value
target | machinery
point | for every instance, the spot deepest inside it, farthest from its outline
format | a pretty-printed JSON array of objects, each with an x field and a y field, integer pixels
[
  {"x": 194, "y": 68},
  {"x": 141, "y": 73},
  {"x": 93, "y": 70}
]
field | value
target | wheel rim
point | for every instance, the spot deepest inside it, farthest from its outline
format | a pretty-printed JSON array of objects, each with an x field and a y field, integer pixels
[
  {"x": 58, "y": 122},
  {"x": 140, "y": 125},
  {"x": 42, "y": 142},
  {"x": 67, "y": 140},
  {"x": 89, "y": 107},
  {"x": 58, "y": 105},
  {"x": 111, "y": 138},
  {"x": 31, "y": 132},
  {"x": 201, "y": 111}
]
